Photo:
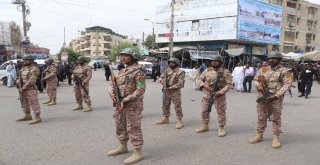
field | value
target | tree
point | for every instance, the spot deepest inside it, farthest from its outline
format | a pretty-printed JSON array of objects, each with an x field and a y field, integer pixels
[
  {"x": 150, "y": 43},
  {"x": 72, "y": 55},
  {"x": 115, "y": 51}
]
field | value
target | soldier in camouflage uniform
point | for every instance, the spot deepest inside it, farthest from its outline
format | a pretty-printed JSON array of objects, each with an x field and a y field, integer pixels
[
  {"x": 173, "y": 80},
  {"x": 51, "y": 82},
  {"x": 82, "y": 75},
  {"x": 277, "y": 81},
  {"x": 131, "y": 83},
  {"x": 206, "y": 80},
  {"x": 28, "y": 77}
]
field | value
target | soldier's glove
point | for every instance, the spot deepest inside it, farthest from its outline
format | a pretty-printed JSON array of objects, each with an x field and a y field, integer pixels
[
  {"x": 217, "y": 94},
  {"x": 259, "y": 88},
  {"x": 271, "y": 98}
]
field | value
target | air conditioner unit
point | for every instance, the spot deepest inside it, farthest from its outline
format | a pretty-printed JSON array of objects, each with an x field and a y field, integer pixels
[{"x": 18, "y": 1}]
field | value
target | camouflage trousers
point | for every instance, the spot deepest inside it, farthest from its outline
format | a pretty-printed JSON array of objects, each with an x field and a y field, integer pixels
[
  {"x": 130, "y": 126},
  {"x": 275, "y": 107},
  {"x": 81, "y": 95},
  {"x": 175, "y": 97},
  {"x": 52, "y": 89},
  {"x": 220, "y": 105},
  {"x": 30, "y": 99}
]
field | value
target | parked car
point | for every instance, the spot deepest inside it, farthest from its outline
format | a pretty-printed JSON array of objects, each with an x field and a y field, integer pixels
[
  {"x": 147, "y": 66},
  {"x": 3, "y": 72}
]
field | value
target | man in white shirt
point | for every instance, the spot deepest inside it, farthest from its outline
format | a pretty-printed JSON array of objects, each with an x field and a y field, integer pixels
[
  {"x": 248, "y": 77},
  {"x": 238, "y": 76}
]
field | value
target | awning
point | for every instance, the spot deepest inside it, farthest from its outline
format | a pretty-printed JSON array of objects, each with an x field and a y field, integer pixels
[
  {"x": 235, "y": 52},
  {"x": 291, "y": 55},
  {"x": 309, "y": 56},
  {"x": 175, "y": 48}
]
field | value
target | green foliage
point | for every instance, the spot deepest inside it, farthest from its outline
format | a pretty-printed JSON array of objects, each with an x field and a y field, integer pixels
[
  {"x": 116, "y": 50},
  {"x": 150, "y": 42},
  {"x": 72, "y": 55}
]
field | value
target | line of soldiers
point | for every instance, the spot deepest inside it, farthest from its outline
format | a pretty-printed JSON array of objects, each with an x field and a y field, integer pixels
[
  {"x": 128, "y": 87},
  {"x": 271, "y": 83},
  {"x": 28, "y": 76}
]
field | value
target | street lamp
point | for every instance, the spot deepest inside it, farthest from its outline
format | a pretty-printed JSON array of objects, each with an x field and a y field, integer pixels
[{"x": 154, "y": 38}]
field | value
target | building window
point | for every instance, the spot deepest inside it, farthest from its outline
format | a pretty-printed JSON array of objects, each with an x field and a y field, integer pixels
[
  {"x": 279, "y": 2},
  {"x": 299, "y": 6},
  {"x": 297, "y": 35},
  {"x": 308, "y": 49},
  {"x": 314, "y": 37},
  {"x": 291, "y": 4},
  {"x": 311, "y": 10},
  {"x": 195, "y": 25},
  {"x": 310, "y": 25},
  {"x": 289, "y": 36},
  {"x": 298, "y": 19},
  {"x": 308, "y": 38},
  {"x": 290, "y": 19},
  {"x": 287, "y": 49}
]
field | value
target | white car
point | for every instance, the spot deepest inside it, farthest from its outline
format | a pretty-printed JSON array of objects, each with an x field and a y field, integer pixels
[
  {"x": 3, "y": 72},
  {"x": 147, "y": 66}
]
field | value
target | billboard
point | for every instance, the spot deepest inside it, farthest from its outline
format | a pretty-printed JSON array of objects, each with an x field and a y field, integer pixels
[
  {"x": 198, "y": 20},
  {"x": 259, "y": 21}
]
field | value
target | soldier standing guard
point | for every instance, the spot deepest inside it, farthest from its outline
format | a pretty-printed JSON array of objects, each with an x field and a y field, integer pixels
[
  {"x": 27, "y": 78},
  {"x": 218, "y": 74},
  {"x": 51, "y": 82},
  {"x": 172, "y": 80},
  {"x": 131, "y": 85},
  {"x": 82, "y": 75},
  {"x": 275, "y": 80}
]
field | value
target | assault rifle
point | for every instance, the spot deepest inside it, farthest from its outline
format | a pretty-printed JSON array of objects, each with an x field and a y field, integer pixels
[
  {"x": 265, "y": 94},
  {"x": 214, "y": 89},
  {"x": 118, "y": 98},
  {"x": 20, "y": 85},
  {"x": 78, "y": 82},
  {"x": 164, "y": 88}
]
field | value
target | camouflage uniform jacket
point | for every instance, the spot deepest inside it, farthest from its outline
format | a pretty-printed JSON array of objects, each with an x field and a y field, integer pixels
[
  {"x": 83, "y": 72},
  {"x": 174, "y": 78},
  {"x": 29, "y": 75},
  {"x": 278, "y": 80},
  {"x": 131, "y": 82},
  {"x": 210, "y": 75},
  {"x": 51, "y": 72}
]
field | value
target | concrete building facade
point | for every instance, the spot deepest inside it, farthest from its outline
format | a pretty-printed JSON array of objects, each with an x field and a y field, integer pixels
[
  {"x": 96, "y": 41},
  {"x": 300, "y": 27}
]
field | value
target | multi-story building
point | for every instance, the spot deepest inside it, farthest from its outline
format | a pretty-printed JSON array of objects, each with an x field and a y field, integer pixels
[
  {"x": 300, "y": 28},
  {"x": 96, "y": 41},
  {"x": 9, "y": 40}
]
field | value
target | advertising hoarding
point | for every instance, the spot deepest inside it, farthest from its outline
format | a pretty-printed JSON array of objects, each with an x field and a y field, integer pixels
[
  {"x": 259, "y": 21},
  {"x": 198, "y": 20}
]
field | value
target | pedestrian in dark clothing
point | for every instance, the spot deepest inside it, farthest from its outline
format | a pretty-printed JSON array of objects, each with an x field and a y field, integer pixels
[
  {"x": 95, "y": 66},
  {"x": 306, "y": 80},
  {"x": 155, "y": 71},
  {"x": 68, "y": 71},
  {"x": 107, "y": 71},
  {"x": 120, "y": 67}
]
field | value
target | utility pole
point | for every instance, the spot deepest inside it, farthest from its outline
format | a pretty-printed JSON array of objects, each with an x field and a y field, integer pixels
[
  {"x": 64, "y": 37},
  {"x": 143, "y": 38},
  {"x": 171, "y": 30},
  {"x": 26, "y": 25}
]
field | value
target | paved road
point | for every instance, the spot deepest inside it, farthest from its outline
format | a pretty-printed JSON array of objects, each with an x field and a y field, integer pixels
[{"x": 66, "y": 137}]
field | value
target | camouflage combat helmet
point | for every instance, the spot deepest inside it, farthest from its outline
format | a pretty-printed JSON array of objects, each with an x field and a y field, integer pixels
[
  {"x": 177, "y": 61},
  {"x": 274, "y": 54},
  {"x": 28, "y": 57},
  {"x": 217, "y": 58},
  {"x": 49, "y": 61},
  {"x": 131, "y": 52},
  {"x": 81, "y": 58}
]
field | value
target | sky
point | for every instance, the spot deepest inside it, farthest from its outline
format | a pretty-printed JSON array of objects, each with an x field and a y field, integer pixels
[{"x": 48, "y": 18}]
